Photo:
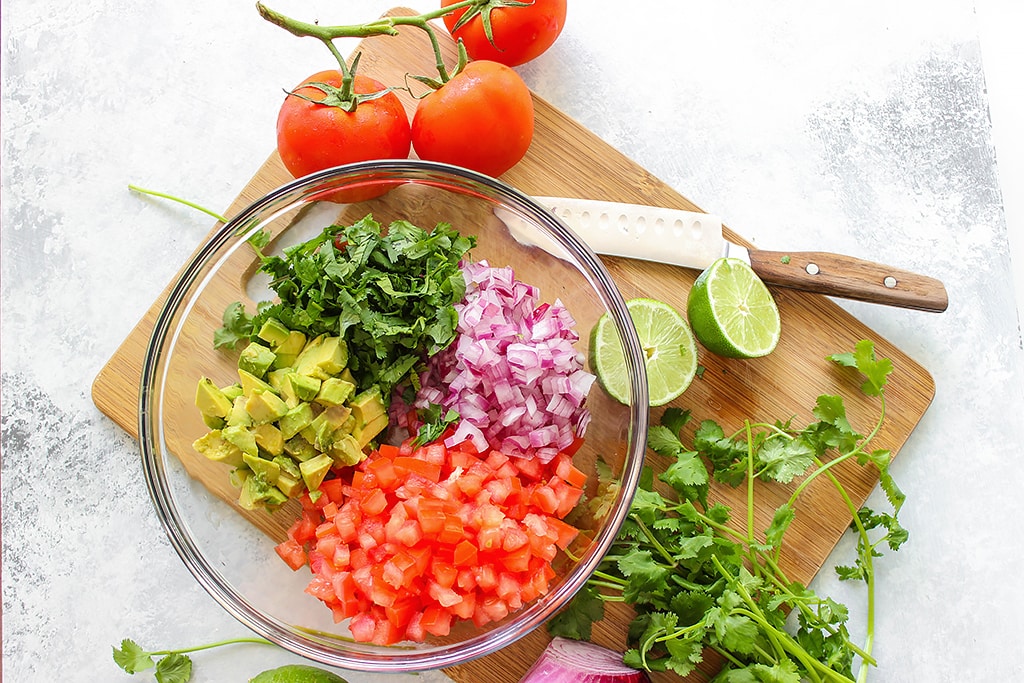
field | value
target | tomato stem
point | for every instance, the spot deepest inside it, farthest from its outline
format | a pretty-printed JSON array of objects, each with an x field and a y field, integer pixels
[{"x": 383, "y": 26}]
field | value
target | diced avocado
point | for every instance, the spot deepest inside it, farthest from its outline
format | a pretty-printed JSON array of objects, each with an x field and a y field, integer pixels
[
  {"x": 304, "y": 387},
  {"x": 268, "y": 469},
  {"x": 276, "y": 378},
  {"x": 232, "y": 391},
  {"x": 324, "y": 356},
  {"x": 256, "y": 359},
  {"x": 214, "y": 422},
  {"x": 345, "y": 450},
  {"x": 347, "y": 375},
  {"x": 288, "y": 466},
  {"x": 265, "y": 406},
  {"x": 300, "y": 449},
  {"x": 256, "y": 493},
  {"x": 273, "y": 332},
  {"x": 333, "y": 391},
  {"x": 239, "y": 475},
  {"x": 326, "y": 424},
  {"x": 289, "y": 349},
  {"x": 367, "y": 406},
  {"x": 210, "y": 399},
  {"x": 368, "y": 432},
  {"x": 215, "y": 447},
  {"x": 295, "y": 420},
  {"x": 269, "y": 438},
  {"x": 251, "y": 382},
  {"x": 314, "y": 470},
  {"x": 239, "y": 416},
  {"x": 348, "y": 425},
  {"x": 241, "y": 437},
  {"x": 289, "y": 485}
]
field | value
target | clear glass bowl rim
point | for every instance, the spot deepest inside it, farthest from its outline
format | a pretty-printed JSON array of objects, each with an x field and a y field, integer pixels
[{"x": 386, "y": 660}]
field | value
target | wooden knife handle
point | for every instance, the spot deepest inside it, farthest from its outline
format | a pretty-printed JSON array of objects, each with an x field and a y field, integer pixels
[{"x": 849, "y": 278}]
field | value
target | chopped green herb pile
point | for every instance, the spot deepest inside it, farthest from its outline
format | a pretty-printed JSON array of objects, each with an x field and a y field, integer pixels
[
  {"x": 387, "y": 293},
  {"x": 696, "y": 582}
]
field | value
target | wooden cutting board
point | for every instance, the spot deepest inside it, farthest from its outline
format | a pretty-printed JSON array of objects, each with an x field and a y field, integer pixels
[{"x": 566, "y": 159}]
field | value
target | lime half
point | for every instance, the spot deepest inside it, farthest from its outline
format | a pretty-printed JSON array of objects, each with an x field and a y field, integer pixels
[
  {"x": 669, "y": 350},
  {"x": 731, "y": 311},
  {"x": 297, "y": 673}
]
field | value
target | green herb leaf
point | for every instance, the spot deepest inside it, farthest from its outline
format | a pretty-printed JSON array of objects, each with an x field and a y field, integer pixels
[
  {"x": 576, "y": 620},
  {"x": 236, "y": 327},
  {"x": 132, "y": 658},
  {"x": 174, "y": 668}
]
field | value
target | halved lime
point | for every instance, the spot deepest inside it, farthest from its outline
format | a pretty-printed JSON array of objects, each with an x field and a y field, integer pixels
[
  {"x": 731, "y": 311},
  {"x": 297, "y": 673},
  {"x": 669, "y": 350}
]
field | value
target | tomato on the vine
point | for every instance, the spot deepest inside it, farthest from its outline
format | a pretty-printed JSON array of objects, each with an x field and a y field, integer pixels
[
  {"x": 481, "y": 119},
  {"x": 315, "y": 131},
  {"x": 520, "y": 32}
]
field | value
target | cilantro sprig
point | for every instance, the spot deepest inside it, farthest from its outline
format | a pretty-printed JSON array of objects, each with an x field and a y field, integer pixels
[
  {"x": 698, "y": 579},
  {"x": 389, "y": 293},
  {"x": 170, "y": 666}
]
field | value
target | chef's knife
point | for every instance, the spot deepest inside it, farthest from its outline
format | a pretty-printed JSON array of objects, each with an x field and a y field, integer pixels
[{"x": 694, "y": 240}]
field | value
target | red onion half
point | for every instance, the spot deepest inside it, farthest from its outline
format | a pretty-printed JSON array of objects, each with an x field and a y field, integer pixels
[{"x": 576, "y": 661}]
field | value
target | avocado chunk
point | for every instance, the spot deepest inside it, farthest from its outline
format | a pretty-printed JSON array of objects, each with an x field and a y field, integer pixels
[
  {"x": 215, "y": 447},
  {"x": 273, "y": 332},
  {"x": 368, "y": 432},
  {"x": 232, "y": 391},
  {"x": 346, "y": 451},
  {"x": 269, "y": 438},
  {"x": 300, "y": 449},
  {"x": 323, "y": 357},
  {"x": 368, "y": 407},
  {"x": 256, "y": 359},
  {"x": 268, "y": 469},
  {"x": 288, "y": 350},
  {"x": 214, "y": 422},
  {"x": 239, "y": 416},
  {"x": 326, "y": 424},
  {"x": 251, "y": 382},
  {"x": 242, "y": 437},
  {"x": 210, "y": 400},
  {"x": 315, "y": 469},
  {"x": 256, "y": 493},
  {"x": 295, "y": 420},
  {"x": 304, "y": 387},
  {"x": 334, "y": 391},
  {"x": 289, "y": 485},
  {"x": 265, "y": 406}
]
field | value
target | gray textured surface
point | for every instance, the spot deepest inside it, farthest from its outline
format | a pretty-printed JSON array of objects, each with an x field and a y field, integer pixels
[{"x": 854, "y": 128}]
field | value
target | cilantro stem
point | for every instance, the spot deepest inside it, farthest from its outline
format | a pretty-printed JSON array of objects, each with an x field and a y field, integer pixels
[
  {"x": 219, "y": 643},
  {"x": 654, "y": 541},
  {"x": 162, "y": 195}
]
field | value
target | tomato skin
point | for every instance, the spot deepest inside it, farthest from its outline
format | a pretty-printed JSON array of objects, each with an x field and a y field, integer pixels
[
  {"x": 312, "y": 137},
  {"x": 520, "y": 33},
  {"x": 482, "y": 119}
]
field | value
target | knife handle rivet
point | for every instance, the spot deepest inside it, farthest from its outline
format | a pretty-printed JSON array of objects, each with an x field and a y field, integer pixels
[
  {"x": 889, "y": 282},
  {"x": 812, "y": 269}
]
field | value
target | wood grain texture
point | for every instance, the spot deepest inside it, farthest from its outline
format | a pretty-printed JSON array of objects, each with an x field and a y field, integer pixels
[
  {"x": 566, "y": 159},
  {"x": 850, "y": 278}
]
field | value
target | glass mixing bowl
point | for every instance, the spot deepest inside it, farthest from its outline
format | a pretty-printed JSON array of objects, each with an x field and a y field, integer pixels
[{"x": 230, "y": 550}]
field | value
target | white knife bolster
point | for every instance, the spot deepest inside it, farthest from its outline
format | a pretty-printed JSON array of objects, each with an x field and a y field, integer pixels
[{"x": 684, "y": 238}]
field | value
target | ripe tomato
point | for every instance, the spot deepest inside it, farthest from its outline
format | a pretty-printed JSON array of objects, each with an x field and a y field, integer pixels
[
  {"x": 520, "y": 33},
  {"x": 481, "y": 119},
  {"x": 312, "y": 137}
]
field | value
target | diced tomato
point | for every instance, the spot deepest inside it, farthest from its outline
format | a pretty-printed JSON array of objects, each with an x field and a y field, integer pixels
[
  {"x": 414, "y": 538},
  {"x": 292, "y": 553}
]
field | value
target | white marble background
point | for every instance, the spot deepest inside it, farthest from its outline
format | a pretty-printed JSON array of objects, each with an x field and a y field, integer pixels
[{"x": 853, "y": 127}]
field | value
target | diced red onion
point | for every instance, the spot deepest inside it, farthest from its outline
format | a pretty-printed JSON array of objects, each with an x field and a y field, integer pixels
[
  {"x": 576, "y": 661},
  {"x": 514, "y": 372}
]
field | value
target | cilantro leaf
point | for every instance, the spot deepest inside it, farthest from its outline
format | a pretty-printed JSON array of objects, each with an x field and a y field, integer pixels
[
  {"x": 131, "y": 658},
  {"x": 875, "y": 370},
  {"x": 784, "y": 516},
  {"x": 577, "y": 619},
  {"x": 783, "y": 459},
  {"x": 236, "y": 327},
  {"x": 174, "y": 668}
]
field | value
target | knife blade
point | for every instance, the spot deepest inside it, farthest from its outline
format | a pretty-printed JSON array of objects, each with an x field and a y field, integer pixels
[{"x": 694, "y": 240}]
